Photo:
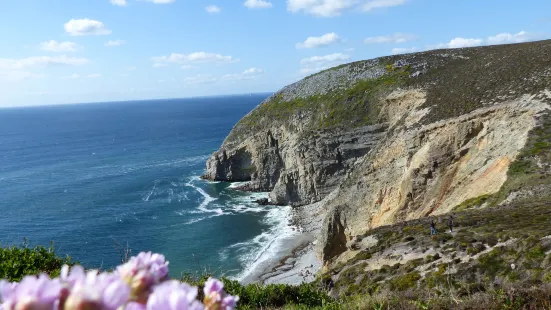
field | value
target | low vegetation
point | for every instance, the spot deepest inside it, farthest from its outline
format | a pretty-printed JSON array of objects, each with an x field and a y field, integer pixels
[
  {"x": 489, "y": 250},
  {"x": 496, "y": 258},
  {"x": 17, "y": 262},
  {"x": 355, "y": 106}
]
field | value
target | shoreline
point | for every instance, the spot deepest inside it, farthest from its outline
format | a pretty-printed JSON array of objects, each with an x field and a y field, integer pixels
[{"x": 298, "y": 262}]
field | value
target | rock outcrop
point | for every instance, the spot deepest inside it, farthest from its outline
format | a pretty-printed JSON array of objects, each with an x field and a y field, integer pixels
[{"x": 399, "y": 138}]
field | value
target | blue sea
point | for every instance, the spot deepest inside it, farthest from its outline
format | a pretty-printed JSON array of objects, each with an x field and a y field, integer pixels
[{"x": 98, "y": 178}]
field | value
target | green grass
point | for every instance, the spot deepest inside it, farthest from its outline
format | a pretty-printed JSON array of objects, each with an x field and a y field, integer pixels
[
  {"x": 356, "y": 106},
  {"x": 476, "y": 231},
  {"x": 473, "y": 202}
]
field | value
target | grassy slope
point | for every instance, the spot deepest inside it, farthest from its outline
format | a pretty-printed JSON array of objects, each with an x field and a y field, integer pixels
[
  {"x": 351, "y": 107},
  {"x": 477, "y": 257},
  {"x": 457, "y": 81}
]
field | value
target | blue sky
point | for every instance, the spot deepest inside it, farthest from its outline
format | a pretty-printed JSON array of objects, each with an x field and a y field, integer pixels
[{"x": 72, "y": 51}]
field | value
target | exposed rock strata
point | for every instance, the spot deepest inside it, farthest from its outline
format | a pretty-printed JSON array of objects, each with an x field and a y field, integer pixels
[
  {"x": 429, "y": 170},
  {"x": 399, "y": 138}
]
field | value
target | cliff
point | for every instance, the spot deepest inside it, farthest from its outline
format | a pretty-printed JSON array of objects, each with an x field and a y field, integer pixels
[{"x": 398, "y": 138}]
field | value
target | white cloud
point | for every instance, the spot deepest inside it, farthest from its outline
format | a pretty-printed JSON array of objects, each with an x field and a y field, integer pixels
[
  {"x": 197, "y": 57},
  {"x": 187, "y": 67},
  {"x": 505, "y": 38},
  {"x": 393, "y": 38},
  {"x": 85, "y": 27},
  {"x": 115, "y": 43},
  {"x": 58, "y": 47},
  {"x": 324, "y": 40},
  {"x": 118, "y": 2},
  {"x": 306, "y": 71},
  {"x": 160, "y": 1},
  {"x": 257, "y": 4},
  {"x": 213, "y": 9},
  {"x": 502, "y": 38},
  {"x": 253, "y": 70},
  {"x": 317, "y": 63},
  {"x": 379, "y": 4},
  {"x": 461, "y": 42},
  {"x": 249, "y": 74},
  {"x": 403, "y": 50},
  {"x": 331, "y": 58},
  {"x": 41, "y": 61},
  {"x": 330, "y": 8},
  {"x": 159, "y": 65}
]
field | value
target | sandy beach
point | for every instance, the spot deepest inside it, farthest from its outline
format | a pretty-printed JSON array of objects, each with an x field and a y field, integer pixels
[{"x": 298, "y": 263}]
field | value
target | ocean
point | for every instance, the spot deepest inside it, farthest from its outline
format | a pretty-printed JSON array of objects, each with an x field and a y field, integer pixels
[{"x": 98, "y": 178}]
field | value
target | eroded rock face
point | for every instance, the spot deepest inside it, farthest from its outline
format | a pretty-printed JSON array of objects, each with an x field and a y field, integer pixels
[
  {"x": 431, "y": 169},
  {"x": 429, "y": 132},
  {"x": 295, "y": 169},
  {"x": 335, "y": 238}
]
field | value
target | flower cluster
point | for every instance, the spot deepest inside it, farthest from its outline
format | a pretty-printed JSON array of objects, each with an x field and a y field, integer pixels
[{"x": 140, "y": 284}]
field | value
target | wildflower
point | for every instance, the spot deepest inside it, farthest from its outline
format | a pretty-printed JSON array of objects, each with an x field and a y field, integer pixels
[
  {"x": 142, "y": 272},
  {"x": 216, "y": 298},
  {"x": 102, "y": 291},
  {"x": 72, "y": 275},
  {"x": 173, "y": 295},
  {"x": 31, "y": 293}
]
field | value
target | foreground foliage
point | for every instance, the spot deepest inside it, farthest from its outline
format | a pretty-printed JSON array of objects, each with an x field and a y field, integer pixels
[
  {"x": 140, "y": 275},
  {"x": 17, "y": 262},
  {"x": 141, "y": 283},
  {"x": 489, "y": 249}
]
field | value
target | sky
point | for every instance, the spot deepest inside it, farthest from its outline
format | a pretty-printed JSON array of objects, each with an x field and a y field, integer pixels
[{"x": 75, "y": 51}]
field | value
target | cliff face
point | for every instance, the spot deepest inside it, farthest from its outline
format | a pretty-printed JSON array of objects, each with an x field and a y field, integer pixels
[{"x": 399, "y": 138}]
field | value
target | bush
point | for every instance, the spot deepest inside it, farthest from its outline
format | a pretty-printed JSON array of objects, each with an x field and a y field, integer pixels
[
  {"x": 255, "y": 296},
  {"x": 17, "y": 262},
  {"x": 404, "y": 282}
]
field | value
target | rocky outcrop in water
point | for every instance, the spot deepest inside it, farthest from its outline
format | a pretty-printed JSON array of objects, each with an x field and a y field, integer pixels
[{"x": 399, "y": 138}]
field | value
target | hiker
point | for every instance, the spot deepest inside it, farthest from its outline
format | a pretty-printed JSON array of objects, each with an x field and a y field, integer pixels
[
  {"x": 450, "y": 222},
  {"x": 432, "y": 228}
]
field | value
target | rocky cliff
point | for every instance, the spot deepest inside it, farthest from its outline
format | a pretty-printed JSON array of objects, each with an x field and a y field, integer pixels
[{"x": 399, "y": 138}]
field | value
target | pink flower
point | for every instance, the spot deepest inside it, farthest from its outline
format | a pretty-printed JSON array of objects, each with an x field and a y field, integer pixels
[
  {"x": 173, "y": 295},
  {"x": 142, "y": 272},
  {"x": 31, "y": 293},
  {"x": 216, "y": 298}
]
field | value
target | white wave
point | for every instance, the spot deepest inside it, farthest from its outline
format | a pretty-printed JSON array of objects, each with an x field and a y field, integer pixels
[
  {"x": 195, "y": 220},
  {"x": 185, "y": 212},
  {"x": 251, "y": 197},
  {"x": 148, "y": 195},
  {"x": 241, "y": 208},
  {"x": 206, "y": 197},
  {"x": 237, "y": 184},
  {"x": 265, "y": 247},
  {"x": 219, "y": 212}
]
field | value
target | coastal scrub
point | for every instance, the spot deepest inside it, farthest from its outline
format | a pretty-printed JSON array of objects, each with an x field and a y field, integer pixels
[{"x": 141, "y": 283}]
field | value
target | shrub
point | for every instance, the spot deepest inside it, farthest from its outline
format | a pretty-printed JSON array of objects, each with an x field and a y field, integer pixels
[
  {"x": 17, "y": 262},
  {"x": 404, "y": 282}
]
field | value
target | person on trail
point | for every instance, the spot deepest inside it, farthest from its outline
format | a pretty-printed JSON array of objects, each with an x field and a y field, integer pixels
[
  {"x": 432, "y": 228},
  {"x": 450, "y": 222}
]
